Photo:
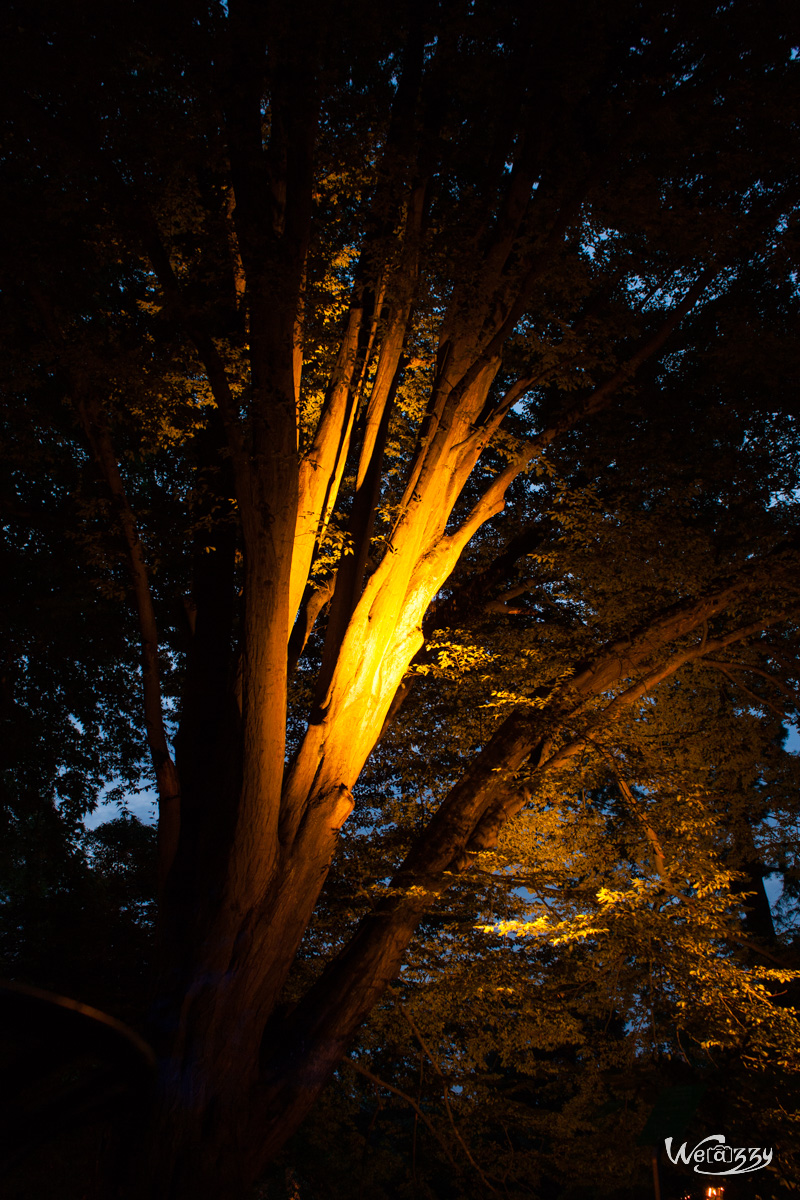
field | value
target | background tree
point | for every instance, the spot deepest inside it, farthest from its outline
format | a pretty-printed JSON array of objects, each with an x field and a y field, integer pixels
[{"x": 304, "y": 301}]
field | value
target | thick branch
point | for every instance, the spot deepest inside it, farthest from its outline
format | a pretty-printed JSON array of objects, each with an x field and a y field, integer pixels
[
  {"x": 95, "y": 426},
  {"x": 600, "y": 399}
]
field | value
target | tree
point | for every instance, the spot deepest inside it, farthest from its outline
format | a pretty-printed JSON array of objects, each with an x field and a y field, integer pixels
[{"x": 322, "y": 294}]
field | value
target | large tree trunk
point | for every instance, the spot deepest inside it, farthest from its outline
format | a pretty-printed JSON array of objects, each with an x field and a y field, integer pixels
[{"x": 239, "y": 1074}]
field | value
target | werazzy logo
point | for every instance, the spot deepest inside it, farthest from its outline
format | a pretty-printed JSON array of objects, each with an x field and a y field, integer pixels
[{"x": 713, "y": 1157}]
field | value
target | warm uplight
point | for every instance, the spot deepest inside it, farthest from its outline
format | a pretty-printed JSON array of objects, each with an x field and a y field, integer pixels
[{"x": 715, "y": 1193}]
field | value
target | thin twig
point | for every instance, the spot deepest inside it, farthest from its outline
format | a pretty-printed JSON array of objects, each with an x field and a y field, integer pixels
[
  {"x": 778, "y": 683},
  {"x": 408, "y": 1099},
  {"x": 759, "y": 700},
  {"x": 669, "y": 884},
  {"x": 441, "y": 1075}
]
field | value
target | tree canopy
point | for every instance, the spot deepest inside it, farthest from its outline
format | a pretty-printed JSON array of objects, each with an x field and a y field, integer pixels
[{"x": 401, "y": 472}]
